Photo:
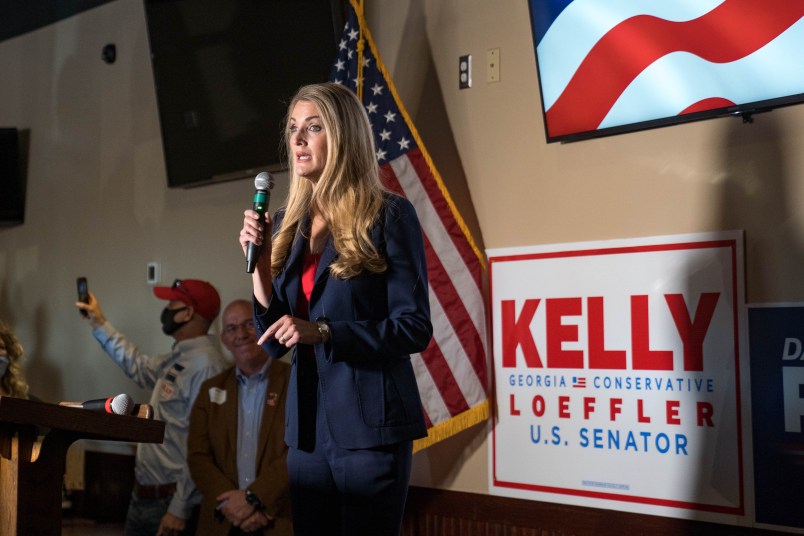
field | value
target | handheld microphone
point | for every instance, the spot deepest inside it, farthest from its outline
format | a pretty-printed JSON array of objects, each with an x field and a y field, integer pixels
[
  {"x": 119, "y": 405},
  {"x": 263, "y": 183}
]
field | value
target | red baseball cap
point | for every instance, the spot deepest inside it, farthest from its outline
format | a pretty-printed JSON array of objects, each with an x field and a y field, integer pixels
[{"x": 199, "y": 294}]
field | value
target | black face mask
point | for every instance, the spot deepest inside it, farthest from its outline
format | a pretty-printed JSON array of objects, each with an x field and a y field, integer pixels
[{"x": 169, "y": 325}]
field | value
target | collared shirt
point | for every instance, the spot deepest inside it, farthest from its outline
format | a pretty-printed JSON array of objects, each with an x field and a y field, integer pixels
[
  {"x": 251, "y": 391},
  {"x": 175, "y": 378}
]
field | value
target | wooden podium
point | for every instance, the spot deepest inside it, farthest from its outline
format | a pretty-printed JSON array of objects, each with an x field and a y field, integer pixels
[{"x": 34, "y": 438}]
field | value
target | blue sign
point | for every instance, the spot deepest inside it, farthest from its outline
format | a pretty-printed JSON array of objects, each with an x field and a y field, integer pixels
[{"x": 777, "y": 392}]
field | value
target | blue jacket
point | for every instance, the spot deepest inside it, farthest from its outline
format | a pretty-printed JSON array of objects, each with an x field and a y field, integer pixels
[{"x": 368, "y": 387}]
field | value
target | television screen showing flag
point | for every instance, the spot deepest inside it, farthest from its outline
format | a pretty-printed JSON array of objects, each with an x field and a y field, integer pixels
[
  {"x": 612, "y": 66},
  {"x": 451, "y": 372}
]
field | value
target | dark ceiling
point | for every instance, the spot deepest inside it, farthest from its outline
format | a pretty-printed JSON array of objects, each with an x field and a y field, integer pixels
[{"x": 22, "y": 16}]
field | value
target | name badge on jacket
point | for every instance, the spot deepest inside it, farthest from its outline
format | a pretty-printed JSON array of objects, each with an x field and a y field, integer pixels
[{"x": 217, "y": 395}]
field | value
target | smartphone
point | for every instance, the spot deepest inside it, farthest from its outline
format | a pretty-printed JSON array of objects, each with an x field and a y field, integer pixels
[{"x": 83, "y": 292}]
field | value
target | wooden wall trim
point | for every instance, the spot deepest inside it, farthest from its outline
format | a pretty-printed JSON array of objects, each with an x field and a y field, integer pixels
[{"x": 434, "y": 512}]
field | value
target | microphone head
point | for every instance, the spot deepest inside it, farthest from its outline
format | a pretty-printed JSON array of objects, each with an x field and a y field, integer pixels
[
  {"x": 263, "y": 181},
  {"x": 122, "y": 404}
]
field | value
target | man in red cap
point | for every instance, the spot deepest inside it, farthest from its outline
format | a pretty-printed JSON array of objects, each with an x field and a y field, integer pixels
[{"x": 165, "y": 500}]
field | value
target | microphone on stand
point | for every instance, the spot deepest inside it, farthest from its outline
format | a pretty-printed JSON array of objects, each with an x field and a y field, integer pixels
[
  {"x": 119, "y": 405},
  {"x": 263, "y": 183}
]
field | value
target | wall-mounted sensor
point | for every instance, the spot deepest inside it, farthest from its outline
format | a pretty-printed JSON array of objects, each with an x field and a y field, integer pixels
[{"x": 109, "y": 53}]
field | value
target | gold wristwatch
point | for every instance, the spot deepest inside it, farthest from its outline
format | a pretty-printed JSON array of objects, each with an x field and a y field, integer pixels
[{"x": 323, "y": 329}]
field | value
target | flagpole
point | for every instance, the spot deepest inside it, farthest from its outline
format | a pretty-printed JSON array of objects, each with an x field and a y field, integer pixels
[{"x": 361, "y": 22}]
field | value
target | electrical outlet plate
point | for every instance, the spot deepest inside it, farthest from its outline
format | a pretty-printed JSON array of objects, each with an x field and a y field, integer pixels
[
  {"x": 153, "y": 274},
  {"x": 465, "y": 72},
  {"x": 493, "y": 65}
]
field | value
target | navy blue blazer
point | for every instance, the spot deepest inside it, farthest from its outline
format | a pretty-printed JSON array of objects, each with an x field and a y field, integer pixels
[{"x": 367, "y": 384}]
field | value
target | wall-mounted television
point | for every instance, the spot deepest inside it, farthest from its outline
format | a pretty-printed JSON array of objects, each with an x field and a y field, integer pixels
[
  {"x": 612, "y": 66},
  {"x": 224, "y": 73},
  {"x": 12, "y": 178}
]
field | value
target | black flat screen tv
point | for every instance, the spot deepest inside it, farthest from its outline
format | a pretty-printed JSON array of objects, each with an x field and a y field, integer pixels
[
  {"x": 12, "y": 179},
  {"x": 613, "y": 66},
  {"x": 224, "y": 73}
]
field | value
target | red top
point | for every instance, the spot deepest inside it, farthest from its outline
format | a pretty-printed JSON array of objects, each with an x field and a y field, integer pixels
[{"x": 309, "y": 267}]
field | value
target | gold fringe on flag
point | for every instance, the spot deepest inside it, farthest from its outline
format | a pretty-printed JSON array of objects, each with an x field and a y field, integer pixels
[{"x": 449, "y": 428}]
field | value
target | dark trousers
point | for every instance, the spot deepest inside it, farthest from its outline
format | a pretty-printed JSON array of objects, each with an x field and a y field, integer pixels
[
  {"x": 144, "y": 515},
  {"x": 348, "y": 492}
]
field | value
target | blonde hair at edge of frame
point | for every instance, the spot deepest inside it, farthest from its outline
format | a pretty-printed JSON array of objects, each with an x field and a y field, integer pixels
[
  {"x": 13, "y": 381},
  {"x": 349, "y": 194}
]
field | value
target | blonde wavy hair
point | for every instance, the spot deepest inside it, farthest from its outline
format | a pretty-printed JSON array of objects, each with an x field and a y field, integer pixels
[
  {"x": 13, "y": 381},
  {"x": 349, "y": 194}
]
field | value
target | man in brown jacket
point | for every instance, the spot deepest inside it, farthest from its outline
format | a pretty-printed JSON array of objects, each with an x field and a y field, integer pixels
[{"x": 236, "y": 449}]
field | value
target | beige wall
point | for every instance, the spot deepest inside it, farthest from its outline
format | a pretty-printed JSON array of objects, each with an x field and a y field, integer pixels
[{"x": 98, "y": 205}]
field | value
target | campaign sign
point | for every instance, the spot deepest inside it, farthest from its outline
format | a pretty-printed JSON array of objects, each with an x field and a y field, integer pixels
[
  {"x": 619, "y": 377},
  {"x": 776, "y": 342}
]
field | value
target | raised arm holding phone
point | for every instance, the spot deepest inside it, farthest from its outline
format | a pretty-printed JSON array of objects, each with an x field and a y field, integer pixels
[{"x": 164, "y": 501}]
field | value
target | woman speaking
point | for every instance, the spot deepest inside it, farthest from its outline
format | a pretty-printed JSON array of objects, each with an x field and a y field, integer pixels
[{"x": 342, "y": 281}]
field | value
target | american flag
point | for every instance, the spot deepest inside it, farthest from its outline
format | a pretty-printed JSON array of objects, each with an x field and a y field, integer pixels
[
  {"x": 606, "y": 63},
  {"x": 579, "y": 382},
  {"x": 451, "y": 372}
]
